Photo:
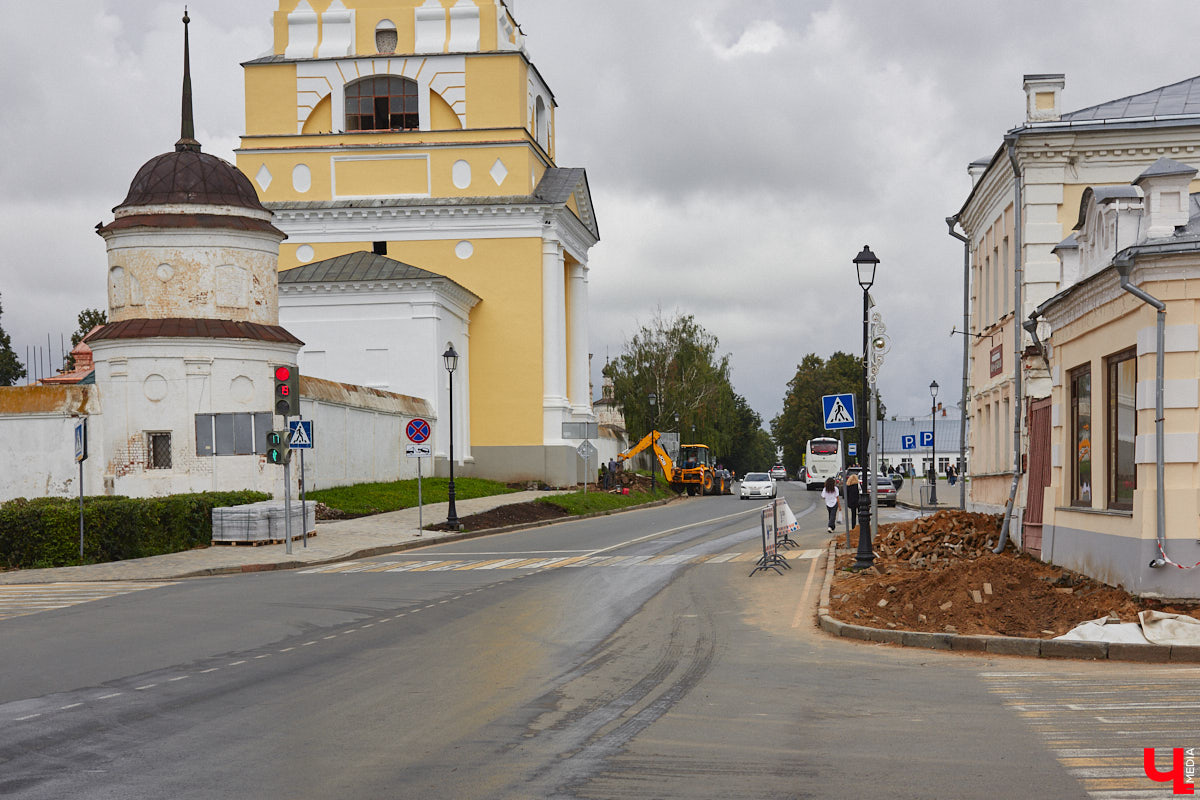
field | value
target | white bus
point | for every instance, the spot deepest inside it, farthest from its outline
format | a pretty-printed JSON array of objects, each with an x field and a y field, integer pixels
[{"x": 822, "y": 459}]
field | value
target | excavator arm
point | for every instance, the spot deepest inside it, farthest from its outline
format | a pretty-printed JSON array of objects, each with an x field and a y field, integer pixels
[{"x": 651, "y": 440}]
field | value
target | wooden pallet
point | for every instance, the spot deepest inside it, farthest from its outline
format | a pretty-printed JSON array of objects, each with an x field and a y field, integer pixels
[{"x": 258, "y": 542}]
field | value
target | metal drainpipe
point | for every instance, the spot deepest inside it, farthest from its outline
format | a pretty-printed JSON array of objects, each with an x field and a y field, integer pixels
[
  {"x": 1018, "y": 301},
  {"x": 1124, "y": 265},
  {"x": 962, "y": 422}
]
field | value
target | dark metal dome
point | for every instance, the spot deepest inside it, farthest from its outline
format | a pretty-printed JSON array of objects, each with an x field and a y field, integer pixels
[{"x": 190, "y": 176}]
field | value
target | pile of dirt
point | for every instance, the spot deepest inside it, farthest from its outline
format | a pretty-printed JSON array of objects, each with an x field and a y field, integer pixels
[
  {"x": 939, "y": 574},
  {"x": 515, "y": 514}
]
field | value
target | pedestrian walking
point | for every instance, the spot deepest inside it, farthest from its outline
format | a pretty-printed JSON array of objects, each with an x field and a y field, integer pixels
[
  {"x": 852, "y": 488},
  {"x": 951, "y": 474},
  {"x": 832, "y": 500}
]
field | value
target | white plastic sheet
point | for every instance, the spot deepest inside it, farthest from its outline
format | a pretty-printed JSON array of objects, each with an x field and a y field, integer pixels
[{"x": 1153, "y": 627}]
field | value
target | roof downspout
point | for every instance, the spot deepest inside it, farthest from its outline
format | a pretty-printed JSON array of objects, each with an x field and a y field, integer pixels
[
  {"x": 1010, "y": 143},
  {"x": 966, "y": 359},
  {"x": 1124, "y": 264}
]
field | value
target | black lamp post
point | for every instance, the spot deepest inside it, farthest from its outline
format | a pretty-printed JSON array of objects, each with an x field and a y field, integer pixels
[
  {"x": 865, "y": 262},
  {"x": 653, "y": 455},
  {"x": 451, "y": 359},
  {"x": 933, "y": 389}
]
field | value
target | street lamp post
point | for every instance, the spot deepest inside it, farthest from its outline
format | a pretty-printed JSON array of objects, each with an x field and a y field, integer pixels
[
  {"x": 933, "y": 390},
  {"x": 451, "y": 359},
  {"x": 653, "y": 455},
  {"x": 865, "y": 262}
]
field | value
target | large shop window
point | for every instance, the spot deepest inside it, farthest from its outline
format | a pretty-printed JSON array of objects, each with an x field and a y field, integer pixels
[
  {"x": 382, "y": 103},
  {"x": 1081, "y": 436},
  {"x": 232, "y": 434},
  {"x": 1122, "y": 428}
]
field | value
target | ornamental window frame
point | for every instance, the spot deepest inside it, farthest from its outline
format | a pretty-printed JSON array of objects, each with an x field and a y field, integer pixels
[
  {"x": 1081, "y": 433},
  {"x": 1121, "y": 427},
  {"x": 396, "y": 87}
]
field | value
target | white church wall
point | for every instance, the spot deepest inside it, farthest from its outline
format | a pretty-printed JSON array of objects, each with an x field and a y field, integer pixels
[
  {"x": 358, "y": 434},
  {"x": 37, "y": 441}
]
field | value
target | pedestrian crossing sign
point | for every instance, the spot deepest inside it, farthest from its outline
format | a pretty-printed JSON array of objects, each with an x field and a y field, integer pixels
[
  {"x": 302, "y": 434},
  {"x": 838, "y": 411}
]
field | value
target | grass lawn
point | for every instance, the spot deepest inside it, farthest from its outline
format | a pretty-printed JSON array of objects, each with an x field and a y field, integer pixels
[
  {"x": 590, "y": 503},
  {"x": 377, "y": 498}
]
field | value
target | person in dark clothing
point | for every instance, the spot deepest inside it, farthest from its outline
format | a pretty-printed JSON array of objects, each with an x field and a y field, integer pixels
[{"x": 852, "y": 498}]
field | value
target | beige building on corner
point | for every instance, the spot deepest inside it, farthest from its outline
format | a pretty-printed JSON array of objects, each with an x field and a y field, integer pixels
[{"x": 1024, "y": 201}]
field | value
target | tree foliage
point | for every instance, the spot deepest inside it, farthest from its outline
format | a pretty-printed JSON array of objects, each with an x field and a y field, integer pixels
[
  {"x": 677, "y": 360},
  {"x": 801, "y": 418},
  {"x": 11, "y": 370}
]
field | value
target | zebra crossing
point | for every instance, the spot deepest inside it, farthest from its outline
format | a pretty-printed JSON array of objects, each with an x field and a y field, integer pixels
[
  {"x": 542, "y": 562},
  {"x": 19, "y": 599},
  {"x": 1098, "y": 724}
]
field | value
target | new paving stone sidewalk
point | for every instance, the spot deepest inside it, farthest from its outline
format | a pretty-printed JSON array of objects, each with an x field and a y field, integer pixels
[{"x": 335, "y": 541}]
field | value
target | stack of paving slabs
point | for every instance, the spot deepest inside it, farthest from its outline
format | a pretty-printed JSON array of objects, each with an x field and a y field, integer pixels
[
  {"x": 933, "y": 541},
  {"x": 260, "y": 523}
]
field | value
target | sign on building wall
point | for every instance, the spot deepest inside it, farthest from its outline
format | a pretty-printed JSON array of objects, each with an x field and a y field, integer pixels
[{"x": 997, "y": 360}]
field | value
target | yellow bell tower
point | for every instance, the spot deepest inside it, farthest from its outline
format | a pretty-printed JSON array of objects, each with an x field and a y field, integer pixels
[{"x": 420, "y": 131}]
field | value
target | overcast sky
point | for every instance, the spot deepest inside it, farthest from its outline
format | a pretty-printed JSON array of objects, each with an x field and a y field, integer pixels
[{"x": 739, "y": 153}]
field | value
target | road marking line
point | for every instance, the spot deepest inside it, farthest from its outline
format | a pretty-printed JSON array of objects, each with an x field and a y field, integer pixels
[
  {"x": 109, "y": 696},
  {"x": 264, "y": 655},
  {"x": 72, "y": 705},
  {"x": 29, "y": 716},
  {"x": 802, "y": 606},
  {"x": 723, "y": 557},
  {"x": 179, "y": 678},
  {"x": 144, "y": 688},
  {"x": 676, "y": 530},
  {"x": 236, "y": 663},
  {"x": 308, "y": 644},
  {"x": 287, "y": 649},
  {"x": 210, "y": 669}
]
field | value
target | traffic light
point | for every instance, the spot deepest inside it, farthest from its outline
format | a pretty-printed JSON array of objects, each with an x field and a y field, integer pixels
[
  {"x": 287, "y": 391},
  {"x": 279, "y": 450}
]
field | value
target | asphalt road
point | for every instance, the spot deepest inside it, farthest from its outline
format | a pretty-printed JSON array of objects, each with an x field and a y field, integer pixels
[{"x": 629, "y": 656}]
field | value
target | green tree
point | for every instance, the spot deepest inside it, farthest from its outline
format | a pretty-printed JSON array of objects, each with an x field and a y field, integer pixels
[
  {"x": 88, "y": 319},
  {"x": 801, "y": 418},
  {"x": 677, "y": 361},
  {"x": 11, "y": 370},
  {"x": 751, "y": 448}
]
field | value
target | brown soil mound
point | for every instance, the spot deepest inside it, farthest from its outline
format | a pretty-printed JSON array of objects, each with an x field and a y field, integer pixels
[
  {"x": 939, "y": 574},
  {"x": 515, "y": 514}
]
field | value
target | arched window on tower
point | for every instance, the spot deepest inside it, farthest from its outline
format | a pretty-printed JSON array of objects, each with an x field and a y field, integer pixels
[
  {"x": 382, "y": 103},
  {"x": 541, "y": 124}
]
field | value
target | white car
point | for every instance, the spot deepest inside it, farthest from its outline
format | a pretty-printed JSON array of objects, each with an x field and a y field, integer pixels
[
  {"x": 779, "y": 472},
  {"x": 757, "y": 484}
]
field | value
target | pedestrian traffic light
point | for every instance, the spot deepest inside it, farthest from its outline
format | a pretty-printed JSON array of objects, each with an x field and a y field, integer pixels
[
  {"x": 279, "y": 450},
  {"x": 287, "y": 392}
]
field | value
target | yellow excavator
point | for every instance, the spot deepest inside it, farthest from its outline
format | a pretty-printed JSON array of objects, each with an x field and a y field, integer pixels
[{"x": 695, "y": 472}]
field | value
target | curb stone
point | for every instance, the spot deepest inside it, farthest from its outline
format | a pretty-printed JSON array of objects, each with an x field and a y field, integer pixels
[{"x": 996, "y": 645}]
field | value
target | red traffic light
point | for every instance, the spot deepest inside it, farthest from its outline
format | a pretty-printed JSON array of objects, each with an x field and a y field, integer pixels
[{"x": 282, "y": 373}]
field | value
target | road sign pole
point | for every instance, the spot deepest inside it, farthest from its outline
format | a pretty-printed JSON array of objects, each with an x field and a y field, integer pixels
[
  {"x": 81, "y": 512},
  {"x": 287, "y": 491},
  {"x": 303, "y": 500},
  {"x": 420, "y": 511}
]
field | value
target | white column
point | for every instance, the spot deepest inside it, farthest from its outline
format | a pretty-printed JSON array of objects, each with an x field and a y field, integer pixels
[
  {"x": 580, "y": 394},
  {"x": 554, "y": 326}
]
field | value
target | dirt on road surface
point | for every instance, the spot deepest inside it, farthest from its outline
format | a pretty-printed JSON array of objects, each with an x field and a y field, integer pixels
[{"x": 939, "y": 574}]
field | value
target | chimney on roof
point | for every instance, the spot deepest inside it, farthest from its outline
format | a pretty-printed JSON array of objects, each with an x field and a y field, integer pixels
[{"x": 1042, "y": 97}]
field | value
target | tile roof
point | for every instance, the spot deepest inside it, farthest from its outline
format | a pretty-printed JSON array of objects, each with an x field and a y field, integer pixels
[
  {"x": 1175, "y": 99},
  {"x": 191, "y": 328},
  {"x": 357, "y": 266}
]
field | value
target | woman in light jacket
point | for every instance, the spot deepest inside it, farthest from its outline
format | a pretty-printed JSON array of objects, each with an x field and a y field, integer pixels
[{"x": 830, "y": 495}]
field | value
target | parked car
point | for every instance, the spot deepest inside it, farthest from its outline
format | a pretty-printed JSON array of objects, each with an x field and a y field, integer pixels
[
  {"x": 757, "y": 484},
  {"x": 779, "y": 472},
  {"x": 885, "y": 488}
]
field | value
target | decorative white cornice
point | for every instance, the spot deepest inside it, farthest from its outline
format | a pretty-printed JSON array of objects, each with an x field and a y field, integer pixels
[{"x": 419, "y": 291}]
